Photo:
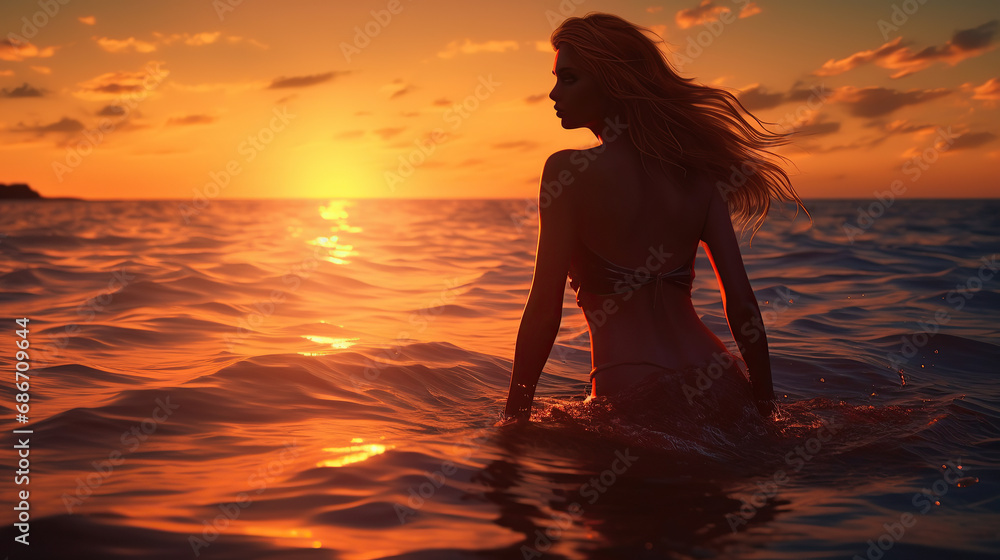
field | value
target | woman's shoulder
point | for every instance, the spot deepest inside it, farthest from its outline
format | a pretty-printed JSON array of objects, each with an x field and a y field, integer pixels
[
  {"x": 557, "y": 179},
  {"x": 577, "y": 164},
  {"x": 560, "y": 159},
  {"x": 562, "y": 167}
]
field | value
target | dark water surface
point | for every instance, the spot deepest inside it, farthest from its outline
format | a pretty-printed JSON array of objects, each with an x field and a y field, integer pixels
[{"x": 322, "y": 379}]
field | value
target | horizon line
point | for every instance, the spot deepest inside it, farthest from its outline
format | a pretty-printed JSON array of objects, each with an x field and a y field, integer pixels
[{"x": 188, "y": 199}]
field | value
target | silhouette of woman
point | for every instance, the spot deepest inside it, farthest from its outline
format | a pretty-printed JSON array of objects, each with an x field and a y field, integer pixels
[{"x": 624, "y": 219}]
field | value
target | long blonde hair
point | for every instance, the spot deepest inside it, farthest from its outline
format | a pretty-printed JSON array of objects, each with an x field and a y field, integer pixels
[{"x": 679, "y": 122}]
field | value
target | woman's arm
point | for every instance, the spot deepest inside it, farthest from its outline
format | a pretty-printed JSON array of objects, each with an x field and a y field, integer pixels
[
  {"x": 543, "y": 311},
  {"x": 738, "y": 299}
]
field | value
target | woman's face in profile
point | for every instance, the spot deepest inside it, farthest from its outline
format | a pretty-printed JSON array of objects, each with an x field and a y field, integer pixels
[{"x": 579, "y": 99}]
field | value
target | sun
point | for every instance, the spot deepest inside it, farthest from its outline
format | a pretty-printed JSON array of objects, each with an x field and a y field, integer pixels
[{"x": 334, "y": 170}]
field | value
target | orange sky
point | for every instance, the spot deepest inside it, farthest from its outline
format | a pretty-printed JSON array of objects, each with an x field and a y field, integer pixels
[{"x": 252, "y": 99}]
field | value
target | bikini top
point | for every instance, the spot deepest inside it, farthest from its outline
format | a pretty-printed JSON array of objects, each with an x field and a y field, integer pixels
[{"x": 592, "y": 273}]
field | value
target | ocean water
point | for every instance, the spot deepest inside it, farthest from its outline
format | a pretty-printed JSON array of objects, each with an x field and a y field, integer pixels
[{"x": 310, "y": 379}]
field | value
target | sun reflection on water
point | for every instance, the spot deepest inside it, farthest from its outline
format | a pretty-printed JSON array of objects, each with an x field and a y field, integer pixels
[
  {"x": 336, "y": 211},
  {"x": 355, "y": 453},
  {"x": 338, "y": 343}
]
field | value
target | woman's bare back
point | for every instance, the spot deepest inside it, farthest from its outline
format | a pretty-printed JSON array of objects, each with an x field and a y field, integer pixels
[
  {"x": 616, "y": 214},
  {"x": 648, "y": 221}
]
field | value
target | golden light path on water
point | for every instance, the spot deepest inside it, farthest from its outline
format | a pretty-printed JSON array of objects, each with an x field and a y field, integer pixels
[
  {"x": 358, "y": 451},
  {"x": 335, "y": 343},
  {"x": 355, "y": 453},
  {"x": 336, "y": 211}
]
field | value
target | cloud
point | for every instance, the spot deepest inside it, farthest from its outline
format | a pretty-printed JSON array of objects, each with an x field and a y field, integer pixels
[
  {"x": 235, "y": 39},
  {"x": 87, "y": 20},
  {"x": 15, "y": 51},
  {"x": 878, "y": 101},
  {"x": 809, "y": 123},
  {"x": 531, "y": 99},
  {"x": 964, "y": 43},
  {"x": 190, "y": 119},
  {"x": 972, "y": 140},
  {"x": 42, "y": 69},
  {"x": 751, "y": 9},
  {"x": 817, "y": 128},
  {"x": 111, "y": 111},
  {"x": 112, "y": 83},
  {"x": 756, "y": 97},
  {"x": 957, "y": 141},
  {"x": 191, "y": 39},
  {"x": 883, "y": 131},
  {"x": 899, "y": 126},
  {"x": 229, "y": 88},
  {"x": 387, "y": 133},
  {"x": 6, "y": 72},
  {"x": 401, "y": 92},
  {"x": 304, "y": 81},
  {"x": 468, "y": 47},
  {"x": 974, "y": 38},
  {"x": 23, "y": 91},
  {"x": 115, "y": 84},
  {"x": 64, "y": 125},
  {"x": 397, "y": 88},
  {"x": 131, "y": 44},
  {"x": 654, "y": 9},
  {"x": 833, "y": 67},
  {"x": 516, "y": 145},
  {"x": 124, "y": 45},
  {"x": 800, "y": 94},
  {"x": 442, "y": 102},
  {"x": 989, "y": 91},
  {"x": 707, "y": 12}
]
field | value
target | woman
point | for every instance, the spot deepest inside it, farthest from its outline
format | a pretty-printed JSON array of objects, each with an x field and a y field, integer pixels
[{"x": 624, "y": 220}]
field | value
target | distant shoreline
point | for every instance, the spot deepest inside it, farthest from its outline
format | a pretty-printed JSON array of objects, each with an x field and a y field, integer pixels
[{"x": 21, "y": 191}]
